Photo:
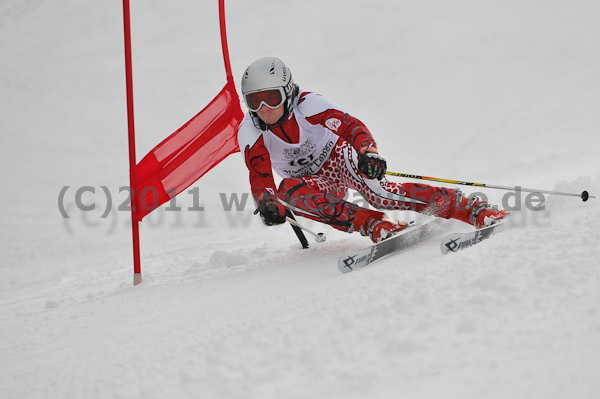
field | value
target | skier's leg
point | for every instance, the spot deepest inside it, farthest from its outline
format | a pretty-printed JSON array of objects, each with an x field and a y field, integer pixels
[
  {"x": 303, "y": 198},
  {"x": 310, "y": 198},
  {"x": 449, "y": 204},
  {"x": 437, "y": 201},
  {"x": 320, "y": 197}
]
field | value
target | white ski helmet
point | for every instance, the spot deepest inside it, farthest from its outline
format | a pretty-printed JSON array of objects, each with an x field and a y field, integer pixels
[{"x": 264, "y": 74}]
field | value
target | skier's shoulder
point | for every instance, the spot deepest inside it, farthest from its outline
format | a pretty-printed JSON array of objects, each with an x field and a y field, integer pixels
[
  {"x": 310, "y": 104},
  {"x": 247, "y": 127},
  {"x": 248, "y": 134}
]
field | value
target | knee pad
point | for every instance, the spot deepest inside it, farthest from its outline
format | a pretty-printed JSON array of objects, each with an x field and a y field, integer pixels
[{"x": 288, "y": 186}]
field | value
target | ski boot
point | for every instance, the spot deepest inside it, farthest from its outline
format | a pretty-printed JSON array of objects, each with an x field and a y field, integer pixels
[
  {"x": 484, "y": 215},
  {"x": 376, "y": 225},
  {"x": 477, "y": 213}
]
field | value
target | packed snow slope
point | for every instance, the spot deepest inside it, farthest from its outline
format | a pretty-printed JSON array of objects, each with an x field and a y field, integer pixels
[{"x": 503, "y": 92}]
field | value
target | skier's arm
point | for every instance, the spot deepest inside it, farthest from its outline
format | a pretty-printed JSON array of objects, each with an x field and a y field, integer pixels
[
  {"x": 258, "y": 163},
  {"x": 262, "y": 184},
  {"x": 323, "y": 112},
  {"x": 349, "y": 128}
]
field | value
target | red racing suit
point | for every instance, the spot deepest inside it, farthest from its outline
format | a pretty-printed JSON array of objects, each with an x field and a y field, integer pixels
[{"x": 315, "y": 152}]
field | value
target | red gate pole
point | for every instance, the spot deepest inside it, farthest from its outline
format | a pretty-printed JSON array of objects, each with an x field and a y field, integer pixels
[
  {"x": 137, "y": 269},
  {"x": 224, "y": 41}
]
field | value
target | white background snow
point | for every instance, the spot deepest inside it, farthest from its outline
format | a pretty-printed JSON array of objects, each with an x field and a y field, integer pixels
[{"x": 502, "y": 92}]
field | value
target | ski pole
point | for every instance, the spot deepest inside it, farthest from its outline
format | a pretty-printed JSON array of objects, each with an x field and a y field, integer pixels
[
  {"x": 584, "y": 195},
  {"x": 319, "y": 237},
  {"x": 289, "y": 216}
]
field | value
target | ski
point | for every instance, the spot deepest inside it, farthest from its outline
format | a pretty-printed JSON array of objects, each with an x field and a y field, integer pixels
[
  {"x": 458, "y": 241},
  {"x": 357, "y": 259}
]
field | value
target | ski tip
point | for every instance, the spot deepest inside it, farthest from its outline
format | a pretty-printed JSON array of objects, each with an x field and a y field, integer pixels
[
  {"x": 456, "y": 242},
  {"x": 346, "y": 263},
  {"x": 451, "y": 243}
]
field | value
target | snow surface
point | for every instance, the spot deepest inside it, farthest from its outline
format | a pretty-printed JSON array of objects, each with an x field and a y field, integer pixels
[{"x": 499, "y": 92}]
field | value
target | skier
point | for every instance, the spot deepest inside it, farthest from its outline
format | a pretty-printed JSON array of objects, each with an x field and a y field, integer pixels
[{"x": 321, "y": 151}]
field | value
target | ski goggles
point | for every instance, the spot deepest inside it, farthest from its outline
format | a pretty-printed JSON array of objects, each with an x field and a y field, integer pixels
[{"x": 272, "y": 98}]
